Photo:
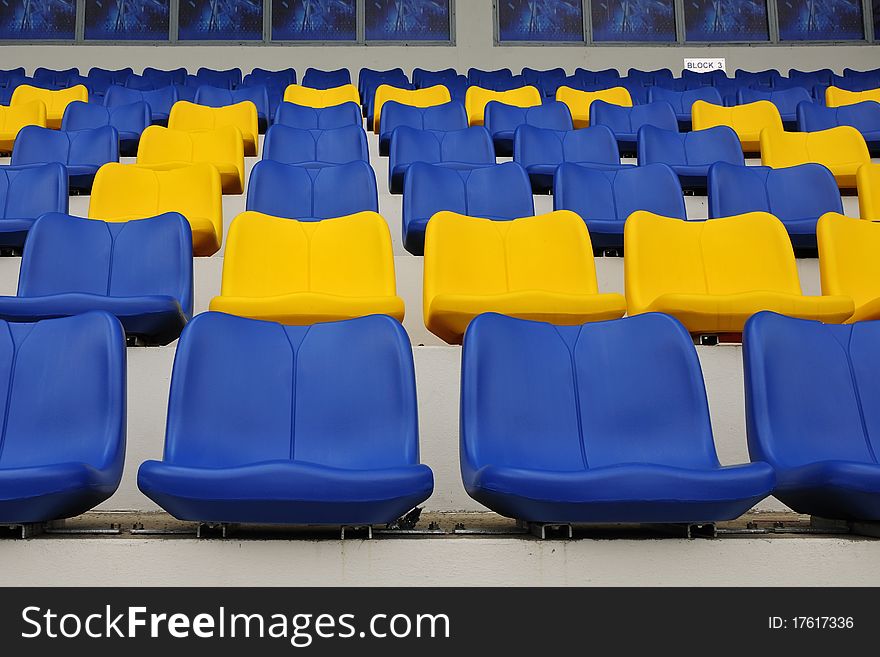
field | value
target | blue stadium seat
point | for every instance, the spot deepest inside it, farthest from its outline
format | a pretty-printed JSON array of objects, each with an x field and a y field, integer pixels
[
  {"x": 690, "y": 154},
  {"x": 143, "y": 83},
  {"x": 186, "y": 92},
  {"x": 164, "y": 78},
  {"x": 316, "y": 148},
  {"x": 682, "y": 101},
  {"x": 11, "y": 75},
  {"x": 260, "y": 76},
  {"x": 625, "y": 122},
  {"x": 61, "y": 463},
  {"x": 499, "y": 192},
  {"x": 605, "y": 199},
  {"x": 26, "y": 193},
  {"x": 367, "y": 76},
  {"x": 811, "y": 79},
  {"x": 796, "y": 195},
  {"x": 82, "y": 152},
  {"x": 295, "y": 192},
  {"x": 608, "y": 77},
  {"x": 228, "y": 79},
  {"x": 541, "y": 151},
  {"x": 864, "y": 117},
  {"x": 786, "y": 101},
  {"x": 602, "y": 423},
  {"x": 857, "y": 80},
  {"x": 502, "y": 121},
  {"x": 649, "y": 78},
  {"x": 217, "y": 97},
  {"x": 422, "y": 79},
  {"x": 757, "y": 79},
  {"x": 129, "y": 120},
  {"x": 140, "y": 271},
  {"x": 160, "y": 100},
  {"x": 637, "y": 92},
  {"x": 444, "y": 118},
  {"x": 252, "y": 447},
  {"x": 811, "y": 393},
  {"x": 457, "y": 88},
  {"x": 318, "y": 79},
  {"x": 489, "y": 79},
  {"x": 706, "y": 79},
  {"x": 49, "y": 78},
  {"x": 547, "y": 81},
  {"x": 100, "y": 79},
  {"x": 310, "y": 118},
  {"x": 470, "y": 148}
]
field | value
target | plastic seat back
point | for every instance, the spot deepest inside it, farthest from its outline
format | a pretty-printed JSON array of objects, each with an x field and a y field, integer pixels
[
  {"x": 837, "y": 97},
  {"x": 614, "y": 195},
  {"x": 628, "y": 120},
  {"x": 718, "y": 257},
  {"x": 428, "y": 97},
  {"x": 443, "y": 118},
  {"x": 56, "y": 101},
  {"x": 336, "y": 146},
  {"x": 100, "y": 79},
  {"x": 165, "y": 77},
  {"x": 864, "y": 117},
  {"x": 26, "y": 192},
  {"x": 317, "y": 79},
  {"x": 649, "y": 78},
  {"x": 579, "y": 101},
  {"x": 422, "y": 78},
  {"x": 473, "y": 256},
  {"x": 131, "y": 118},
  {"x": 84, "y": 386},
  {"x": 14, "y": 118},
  {"x": 748, "y": 121},
  {"x": 160, "y": 100},
  {"x": 477, "y": 98},
  {"x": 847, "y": 262},
  {"x": 319, "y": 98},
  {"x": 609, "y": 76},
  {"x": 682, "y": 101},
  {"x": 216, "y": 97},
  {"x": 697, "y": 148},
  {"x": 228, "y": 79},
  {"x": 223, "y": 145},
  {"x": 806, "y": 191},
  {"x": 122, "y": 192},
  {"x": 806, "y": 381},
  {"x": 370, "y": 373},
  {"x": 810, "y": 79},
  {"x": 258, "y": 76},
  {"x": 521, "y": 379},
  {"x": 348, "y": 256},
  {"x": 868, "y": 185},
  {"x": 65, "y": 254},
  {"x": 532, "y": 146},
  {"x": 311, "y": 118},
  {"x": 294, "y": 192},
  {"x": 478, "y": 77},
  {"x": 190, "y": 116},
  {"x": 95, "y": 146},
  {"x": 54, "y": 77},
  {"x": 765, "y": 78},
  {"x": 843, "y": 144},
  {"x": 507, "y": 118},
  {"x": 786, "y": 100},
  {"x": 472, "y": 146}
]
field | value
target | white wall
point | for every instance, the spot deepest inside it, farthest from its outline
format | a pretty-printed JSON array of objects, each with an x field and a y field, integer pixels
[{"x": 474, "y": 36}]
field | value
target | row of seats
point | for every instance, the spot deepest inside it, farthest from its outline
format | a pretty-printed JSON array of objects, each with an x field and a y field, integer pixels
[
  {"x": 711, "y": 275},
  {"x": 600, "y": 423}
]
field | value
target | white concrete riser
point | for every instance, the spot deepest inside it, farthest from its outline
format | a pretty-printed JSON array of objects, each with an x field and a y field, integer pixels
[{"x": 437, "y": 364}]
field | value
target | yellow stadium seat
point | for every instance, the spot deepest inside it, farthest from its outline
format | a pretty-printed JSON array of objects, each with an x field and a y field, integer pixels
[
  {"x": 868, "y": 185},
  {"x": 320, "y": 98},
  {"x": 842, "y": 149},
  {"x": 305, "y": 272},
  {"x": 837, "y": 97},
  {"x": 476, "y": 99},
  {"x": 713, "y": 275},
  {"x": 55, "y": 101},
  {"x": 122, "y": 192},
  {"x": 163, "y": 148},
  {"x": 427, "y": 97},
  {"x": 537, "y": 268},
  {"x": 746, "y": 120},
  {"x": 579, "y": 102},
  {"x": 14, "y": 118},
  {"x": 189, "y": 116},
  {"x": 848, "y": 262}
]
